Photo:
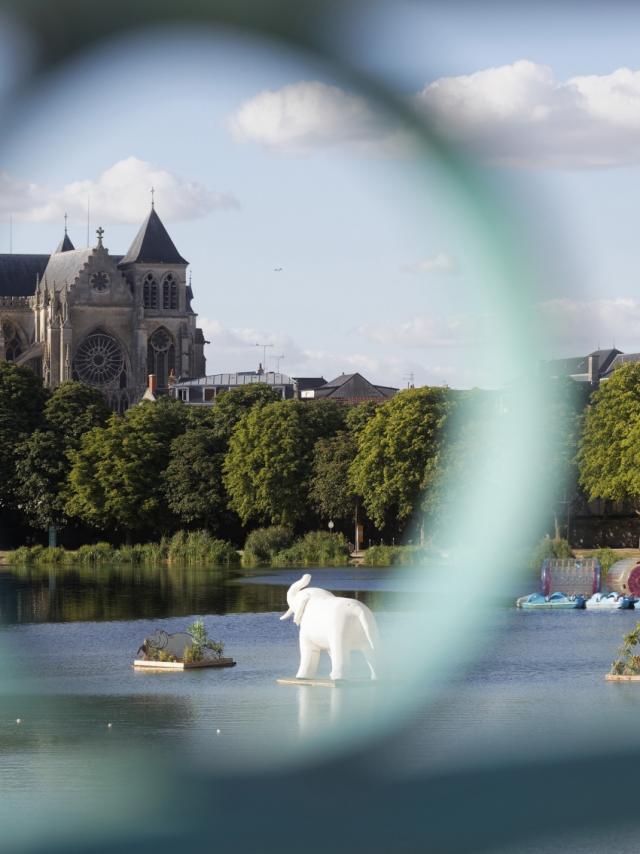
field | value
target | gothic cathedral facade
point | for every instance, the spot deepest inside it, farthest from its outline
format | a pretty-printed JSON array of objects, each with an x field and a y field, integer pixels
[{"x": 107, "y": 320}]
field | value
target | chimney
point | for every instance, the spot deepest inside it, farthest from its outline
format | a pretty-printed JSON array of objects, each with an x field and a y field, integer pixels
[
  {"x": 260, "y": 369},
  {"x": 593, "y": 368},
  {"x": 153, "y": 383}
]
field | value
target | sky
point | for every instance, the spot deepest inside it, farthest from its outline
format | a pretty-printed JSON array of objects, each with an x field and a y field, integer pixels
[{"x": 312, "y": 220}]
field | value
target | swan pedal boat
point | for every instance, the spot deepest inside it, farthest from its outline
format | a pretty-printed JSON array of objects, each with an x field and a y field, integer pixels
[
  {"x": 609, "y": 602},
  {"x": 557, "y": 601}
]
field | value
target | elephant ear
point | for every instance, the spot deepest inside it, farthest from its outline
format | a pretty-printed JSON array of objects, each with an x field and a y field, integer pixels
[{"x": 301, "y": 604}]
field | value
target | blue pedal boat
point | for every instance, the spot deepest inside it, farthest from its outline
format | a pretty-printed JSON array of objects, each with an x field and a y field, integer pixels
[{"x": 557, "y": 601}]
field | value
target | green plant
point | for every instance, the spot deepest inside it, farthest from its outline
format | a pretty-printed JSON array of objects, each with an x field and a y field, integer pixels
[
  {"x": 315, "y": 548},
  {"x": 628, "y": 661},
  {"x": 201, "y": 642},
  {"x": 192, "y": 654},
  {"x": 160, "y": 655},
  {"x": 263, "y": 543},
  {"x": 607, "y": 558},
  {"x": 548, "y": 548}
]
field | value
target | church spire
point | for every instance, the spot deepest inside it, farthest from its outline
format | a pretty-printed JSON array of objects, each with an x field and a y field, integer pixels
[
  {"x": 65, "y": 244},
  {"x": 152, "y": 244}
]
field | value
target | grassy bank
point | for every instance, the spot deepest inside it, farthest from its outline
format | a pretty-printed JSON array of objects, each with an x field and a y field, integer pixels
[
  {"x": 186, "y": 547},
  {"x": 396, "y": 556},
  {"x": 276, "y": 547}
]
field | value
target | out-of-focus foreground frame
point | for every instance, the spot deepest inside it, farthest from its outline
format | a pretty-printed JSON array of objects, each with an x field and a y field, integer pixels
[{"x": 345, "y": 804}]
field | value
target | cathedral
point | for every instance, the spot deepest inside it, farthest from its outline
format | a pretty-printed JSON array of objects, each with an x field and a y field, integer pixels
[{"x": 107, "y": 320}]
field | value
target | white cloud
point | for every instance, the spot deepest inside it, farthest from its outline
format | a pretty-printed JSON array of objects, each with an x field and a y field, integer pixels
[
  {"x": 517, "y": 114},
  {"x": 582, "y": 325},
  {"x": 432, "y": 331},
  {"x": 441, "y": 262},
  {"x": 521, "y": 114},
  {"x": 307, "y": 115},
  {"x": 119, "y": 194}
]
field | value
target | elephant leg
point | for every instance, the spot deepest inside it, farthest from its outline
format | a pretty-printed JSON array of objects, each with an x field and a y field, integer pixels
[
  {"x": 309, "y": 660},
  {"x": 340, "y": 655},
  {"x": 370, "y": 657}
]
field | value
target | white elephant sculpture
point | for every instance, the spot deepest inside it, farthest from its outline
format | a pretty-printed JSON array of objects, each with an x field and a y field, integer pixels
[{"x": 331, "y": 623}]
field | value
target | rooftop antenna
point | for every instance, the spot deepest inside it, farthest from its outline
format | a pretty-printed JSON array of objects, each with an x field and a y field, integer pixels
[
  {"x": 277, "y": 358},
  {"x": 410, "y": 380},
  {"x": 264, "y": 355}
]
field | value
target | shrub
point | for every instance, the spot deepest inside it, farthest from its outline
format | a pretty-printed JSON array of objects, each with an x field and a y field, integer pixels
[
  {"x": 201, "y": 643},
  {"x": 263, "y": 543},
  {"x": 201, "y": 547},
  {"x": 607, "y": 558},
  {"x": 315, "y": 548},
  {"x": 22, "y": 556},
  {"x": 548, "y": 548}
]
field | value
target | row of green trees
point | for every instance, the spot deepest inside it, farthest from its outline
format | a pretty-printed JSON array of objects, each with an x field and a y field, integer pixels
[
  {"x": 253, "y": 460},
  {"x": 250, "y": 460}
]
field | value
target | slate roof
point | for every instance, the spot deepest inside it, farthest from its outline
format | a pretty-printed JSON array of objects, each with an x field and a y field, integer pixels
[
  {"x": 65, "y": 244},
  {"x": 354, "y": 387},
  {"x": 578, "y": 365},
  {"x": 152, "y": 244},
  {"x": 307, "y": 383},
  {"x": 18, "y": 274},
  {"x": 64, "y": 267},
  {"x": 622, "y": 359}
]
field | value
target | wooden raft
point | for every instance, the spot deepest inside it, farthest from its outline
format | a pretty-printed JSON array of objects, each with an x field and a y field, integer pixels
[
  {"x": 144, "y": 664},
  {"x": 614, "y": 677}
]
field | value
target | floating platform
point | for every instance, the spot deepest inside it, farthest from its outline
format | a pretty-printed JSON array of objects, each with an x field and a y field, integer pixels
[
  {"x": 145, "y": 664},
  {"x": 327, "y": 683},
  {"x": 614, "y": 677}
]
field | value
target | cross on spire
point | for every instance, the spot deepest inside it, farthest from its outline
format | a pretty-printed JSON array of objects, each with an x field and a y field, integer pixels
[
  {"x": 66, "y": 216},
  {"x": 100, "y": 232},
  {"x": 153, "y": 192}
]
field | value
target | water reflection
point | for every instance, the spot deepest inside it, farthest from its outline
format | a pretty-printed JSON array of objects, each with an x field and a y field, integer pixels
[{"x": 63, "y": 594}]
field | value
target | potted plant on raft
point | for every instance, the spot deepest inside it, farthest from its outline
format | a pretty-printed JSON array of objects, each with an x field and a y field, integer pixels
[{"x": 202, "y": 645}]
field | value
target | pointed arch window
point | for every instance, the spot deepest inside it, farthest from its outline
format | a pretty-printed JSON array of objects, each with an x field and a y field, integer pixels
[
  {"x": 150, "y": 291},
  {"x": 161, "y": 357},
  {"x": 170, "y": 292},
  {"x": 12, "y": 344}
]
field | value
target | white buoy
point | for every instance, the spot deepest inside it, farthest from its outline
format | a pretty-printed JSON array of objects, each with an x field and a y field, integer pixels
[
  {"x": 109, "y": 725},
  {"x": 18, "y": 720},
  {"x": 218, "y": 732}
]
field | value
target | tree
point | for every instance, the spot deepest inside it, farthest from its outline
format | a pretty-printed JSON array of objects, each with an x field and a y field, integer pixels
[
  {"x": 42, "y": 459},
  {"x": 193, "y": 479},
  {"x": 22, "y": 399},
  {"x": 73, "y": 409},
  {"x": 394, "y": 450},
  {"x": 268, "y": 467},
  {"x": 116, "y": 479},
  {"x": 609, "y": 455},
  {"x": 330, "y": 487},
  {"x": 230, "y": 406},
  {"x": 42, "y": 468}
]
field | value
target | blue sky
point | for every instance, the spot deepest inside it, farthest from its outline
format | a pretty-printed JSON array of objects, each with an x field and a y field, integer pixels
[{"x": 264, "y": 159}]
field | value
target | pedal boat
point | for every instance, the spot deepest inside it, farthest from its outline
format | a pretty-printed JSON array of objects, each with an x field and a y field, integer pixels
[
  {"x": 557, "y": 601},
  {"x": 609, "y": 602}
]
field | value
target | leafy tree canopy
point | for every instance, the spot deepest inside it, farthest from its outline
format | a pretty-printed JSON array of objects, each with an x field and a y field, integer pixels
[
  {"x": 74, "y": 408},
  {"x": 330, "y": 489},
  {"x": 394, "y": 450},
  {"x": 193, "y": 478},
  {"x": 268, "y": 467},
  {"x": 231, "y": 405},
  {"x": 609, "y": 455},
  {"x": 116, "y": 479}
]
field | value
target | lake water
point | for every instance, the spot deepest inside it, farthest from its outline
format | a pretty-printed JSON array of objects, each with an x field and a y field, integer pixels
[{"x": 68, "y": 638}]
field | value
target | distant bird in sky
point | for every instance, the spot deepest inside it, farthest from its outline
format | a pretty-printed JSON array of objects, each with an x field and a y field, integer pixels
[{"x": 277, "y": 269}]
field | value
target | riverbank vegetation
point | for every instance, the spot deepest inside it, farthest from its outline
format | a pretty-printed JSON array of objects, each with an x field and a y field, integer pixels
[{"x": 266, "y": 474}]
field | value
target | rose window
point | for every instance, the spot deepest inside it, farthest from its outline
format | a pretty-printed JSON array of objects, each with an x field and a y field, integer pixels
[
  {"x": 99, "y": 360},
  {"x": 99, "y": 282}
]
